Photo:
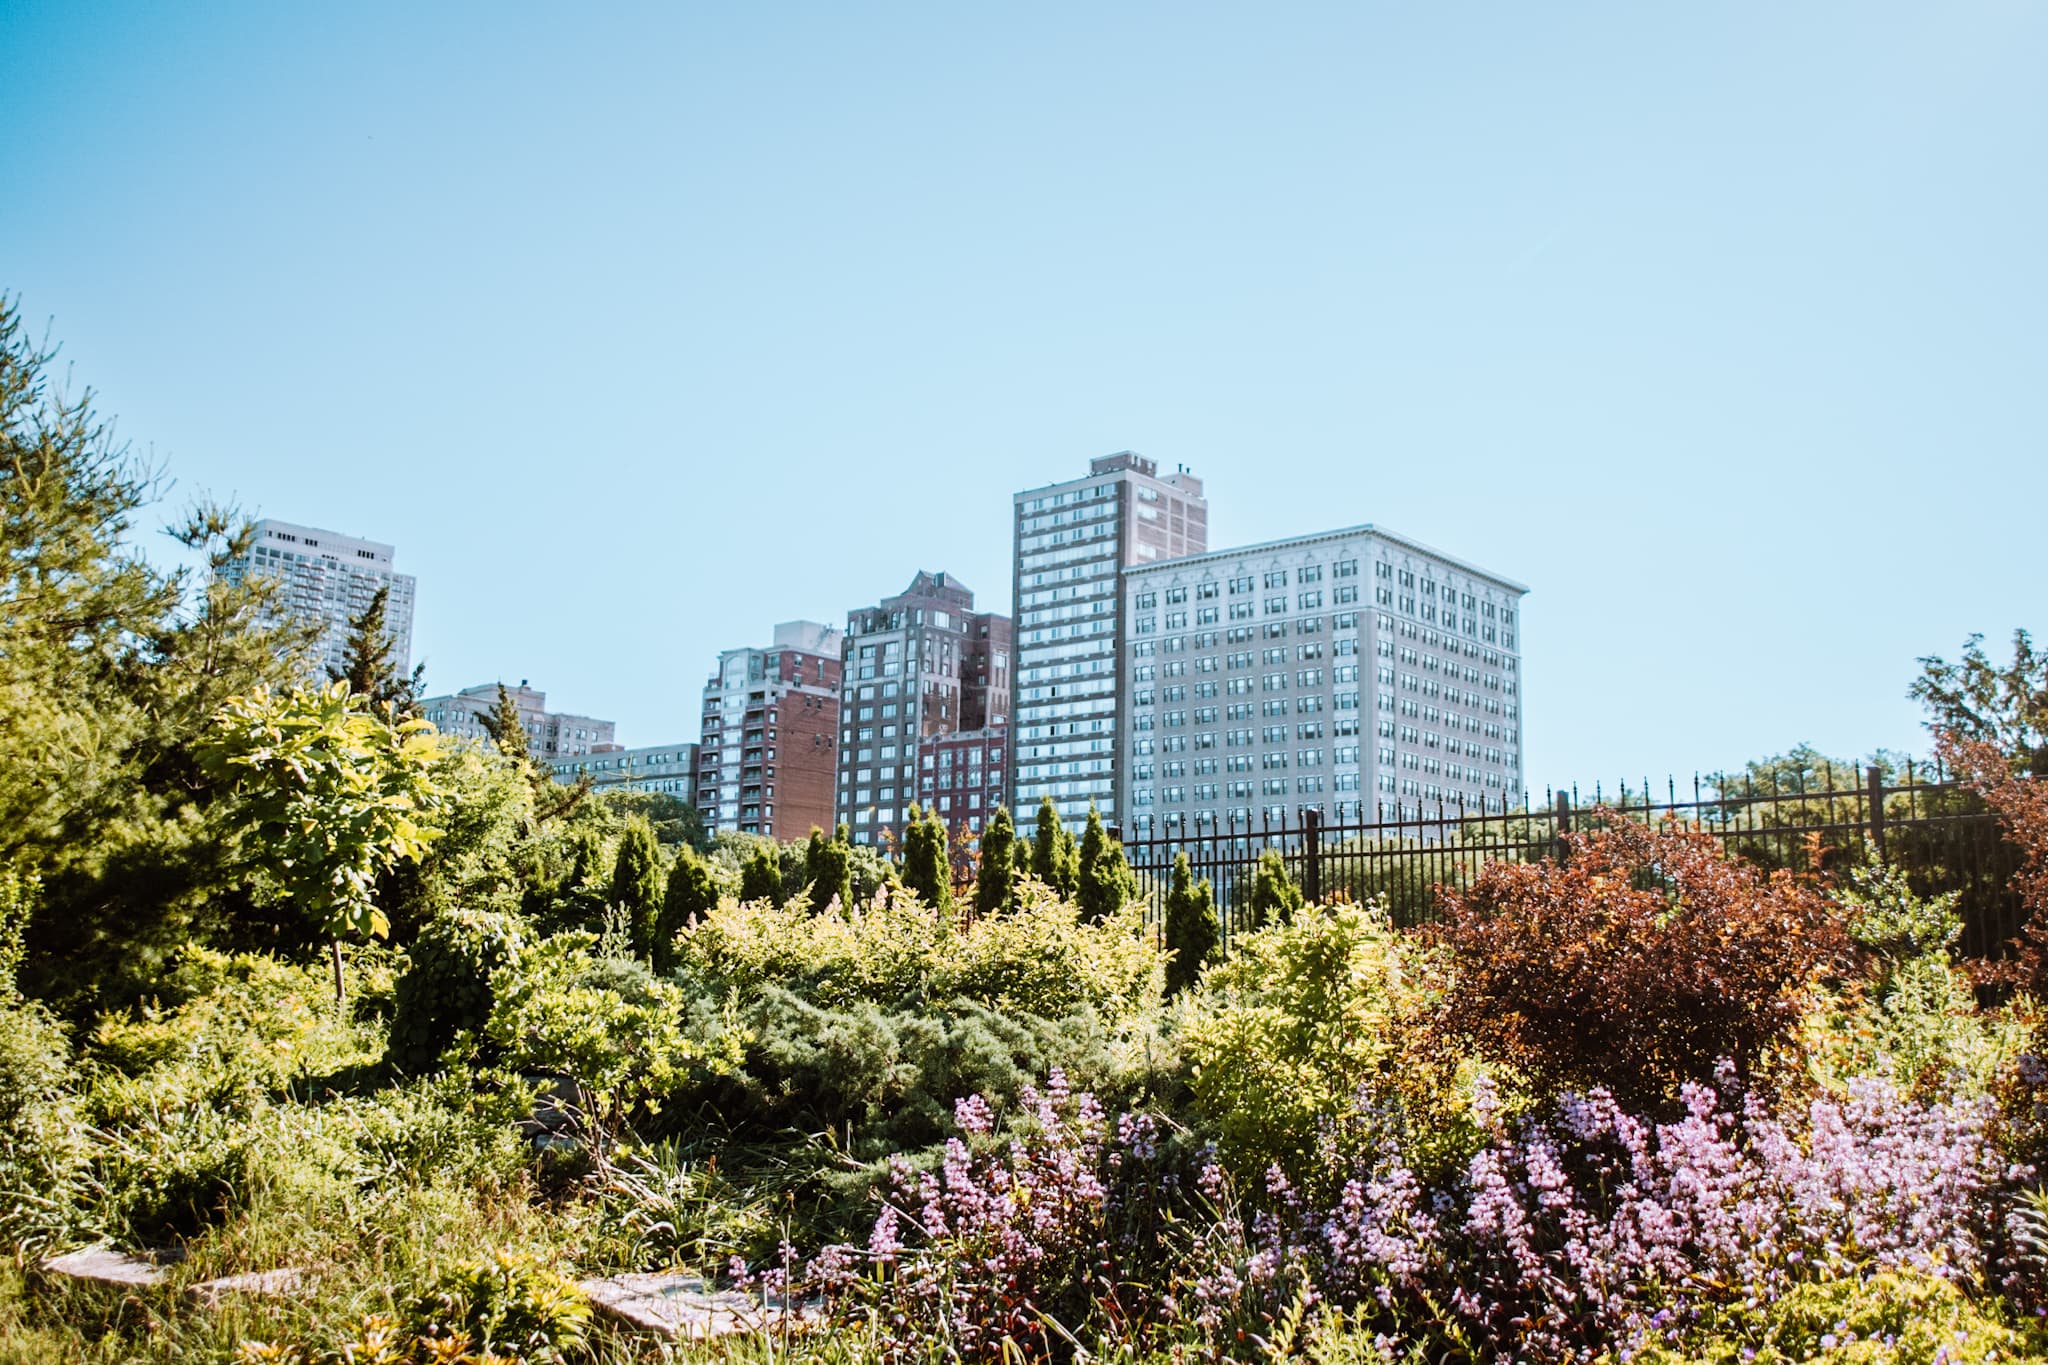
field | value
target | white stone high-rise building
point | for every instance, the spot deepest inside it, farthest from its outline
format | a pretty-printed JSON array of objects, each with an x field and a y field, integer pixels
[
  {"x": 1356, "y": 673},
  {"x": 1072, "y": 544},
  {"x": 329, "y": 579}
]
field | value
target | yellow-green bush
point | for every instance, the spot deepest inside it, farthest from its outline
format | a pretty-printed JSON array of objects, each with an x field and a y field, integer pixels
[
  {"x": 1896, "y": 1318},
  {"x": 1314, "y": 1022}
]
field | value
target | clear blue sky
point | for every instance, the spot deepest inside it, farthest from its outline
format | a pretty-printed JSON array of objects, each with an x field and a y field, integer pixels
[{"x": 1724, "y": 327}]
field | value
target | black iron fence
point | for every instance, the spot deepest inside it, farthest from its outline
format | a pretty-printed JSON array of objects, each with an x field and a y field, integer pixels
[{"x": 1936, "y": 829}]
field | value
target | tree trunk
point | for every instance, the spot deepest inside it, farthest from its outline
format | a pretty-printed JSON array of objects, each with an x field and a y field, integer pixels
[{"x": 334, "y": 947}]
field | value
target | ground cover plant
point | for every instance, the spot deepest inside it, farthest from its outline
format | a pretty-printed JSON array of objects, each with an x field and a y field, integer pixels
[{"x": 288, "y": 981}]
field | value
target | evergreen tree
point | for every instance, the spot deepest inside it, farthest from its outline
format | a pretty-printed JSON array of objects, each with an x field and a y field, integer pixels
[
  {"x": 1106, "y": 881},
  {"x": 995, "y": 881},
  {"x": 1191, "y": 929},
  {"x": 1274, "y": 896},
  {"x": 926, "y": 868},
  {"x": 636, "y": 886},
  {"x": 369, "y": 672},
  {"x": 1054, "y": 859},
  {"x": 506, "y": 730},
  {"x": 761, "y": 876},
  {"x": 692, "y": 894},
  {"x": 826, "y": 868}
]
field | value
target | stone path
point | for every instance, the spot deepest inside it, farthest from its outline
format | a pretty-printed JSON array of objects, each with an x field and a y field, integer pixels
[
  {"x": 104, "y": 1265},
  {"x": 684, "y": 1306}
]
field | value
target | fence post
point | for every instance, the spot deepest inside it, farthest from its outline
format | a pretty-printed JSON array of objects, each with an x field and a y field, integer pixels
[
  {"x": 1562, "y": 824},
  {"x": 1312, "y": 860},
  {"x": 1877, "y": 811}
]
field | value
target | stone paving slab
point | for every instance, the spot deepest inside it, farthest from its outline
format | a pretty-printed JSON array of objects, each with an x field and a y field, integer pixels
[
  {"x": 683, "y": 1306},
  {"x": 104, "y": 1265},
  {"x": 274, "y": 1284}
]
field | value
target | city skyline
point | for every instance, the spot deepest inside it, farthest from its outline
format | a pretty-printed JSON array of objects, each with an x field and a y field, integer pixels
[{"x": 729, "y": 326}]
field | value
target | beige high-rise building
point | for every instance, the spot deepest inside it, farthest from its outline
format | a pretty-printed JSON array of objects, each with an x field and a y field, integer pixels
[{"x": 328, "y": 580}]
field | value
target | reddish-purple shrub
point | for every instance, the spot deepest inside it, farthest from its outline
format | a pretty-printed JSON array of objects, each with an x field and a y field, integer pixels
[{"x": 1634, "y": 965}]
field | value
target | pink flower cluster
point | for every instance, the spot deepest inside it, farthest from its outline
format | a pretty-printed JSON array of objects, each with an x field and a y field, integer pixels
[{"x": 1559, "y": 1240}]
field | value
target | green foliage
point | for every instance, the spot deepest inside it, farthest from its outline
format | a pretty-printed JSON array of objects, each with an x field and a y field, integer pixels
[
  {"x": 334, "y": 796},
  {"x": 507, "y": 731},
  {"x": 2005, "y": 706},
  {"x": 1105, "y": 882},
  {"x": 507, "y": 1304},
  {"x": 1192, "y": 932},
  {"x": 692, "y": 894},
  {"x": 487, "y": 856},
  {"x": 636, "y": 889},
  {"x": 1890, "y": 1316},
  {"x": 1309, "y": 1025},
  {"x": 927, "y": 871},
  {"x": 1913, "y": 1018},
  {"x": 761, "y": 877},
  {"x": 18, "y": 896},
  {"x": 676, "y": 823},
  {"x": 1275, "y": 898},
  {"x": 370, "y": 672},
  {"x": 42, "y": 1149},
  {"x": 827, "y": 871},
  {"x": 1054, "y": 859},
  {"x": 995, "y": 884},
  {"x": 608, "y": 1023},
  {"x": 450, "y": 987}
]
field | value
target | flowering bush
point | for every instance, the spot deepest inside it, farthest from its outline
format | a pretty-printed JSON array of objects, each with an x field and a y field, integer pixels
[
  {"x": 1063, "y": 1227},
  {"x": 1634, "y": 965}
]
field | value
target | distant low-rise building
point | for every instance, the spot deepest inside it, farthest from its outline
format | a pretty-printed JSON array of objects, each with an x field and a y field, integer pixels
[
  {"x": 550, "y": 735},
  {"x": 670, "y": 768},
  {"x": 770, "y": 736}
]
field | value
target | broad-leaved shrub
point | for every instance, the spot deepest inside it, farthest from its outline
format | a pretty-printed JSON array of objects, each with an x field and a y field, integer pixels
[{"x": 1636, "y": 964}]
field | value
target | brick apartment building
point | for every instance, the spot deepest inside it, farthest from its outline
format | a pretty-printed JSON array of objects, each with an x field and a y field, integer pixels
[{"x": 770, "y": 739}]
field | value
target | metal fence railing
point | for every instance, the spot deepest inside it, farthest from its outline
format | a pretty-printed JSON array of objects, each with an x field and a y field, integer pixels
[{"x": 1936, "y": 829}]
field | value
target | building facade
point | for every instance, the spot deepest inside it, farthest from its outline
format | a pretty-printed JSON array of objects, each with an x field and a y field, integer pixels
[
  {"x": 766, "y": 761},
  {"x": 670, "y": 768},
  {"x": 1355, "y": 673},
  {"x": 917, "y": 665},
  {"x": 960, "y": 778},
  {"x": 550, "y": 735},
  {"x": 328, "y": 580},
  {"x": 1072, "y": 543}
]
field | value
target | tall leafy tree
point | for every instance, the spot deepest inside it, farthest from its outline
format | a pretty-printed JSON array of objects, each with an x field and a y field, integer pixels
[
  {"x": 110, "y": 674},
  {"x": 995, "y": 880},
  {"x": 692, "y": 894},
  {"x": 1054, "y": 859},
  {"x": 369, "y": 670},
  {"x": 926, "y": 868},
  {"x": 761, "y": 876},
  {"x": 636, "y": 890},
  {"x": 2004, "y": 705},
  {"x": 1105, "y": 881},
  {"x": 1192, "y": 932},
  {"x": 335, "y": 796},
  {"x": 1274, "y": 897}
]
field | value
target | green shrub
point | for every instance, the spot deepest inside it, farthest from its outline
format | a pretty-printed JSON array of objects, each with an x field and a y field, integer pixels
[
  {"x": 896, "y": 951},
  {"x": 1313, "y": 1022},
  {"x": 1890, "y": 1317},
  {"x": 606, "y": 1022},
  {"x": 449, "y": 988},
  {"x": 1914, "y": 1017},
  {"x": 1274, "y": 897},
  {"x": 1106, "y": 884},
  {"x": 1192, "y": 931},
  {"x": 42, "y": 1152},
  {"x": 505, "y": 1303}
]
